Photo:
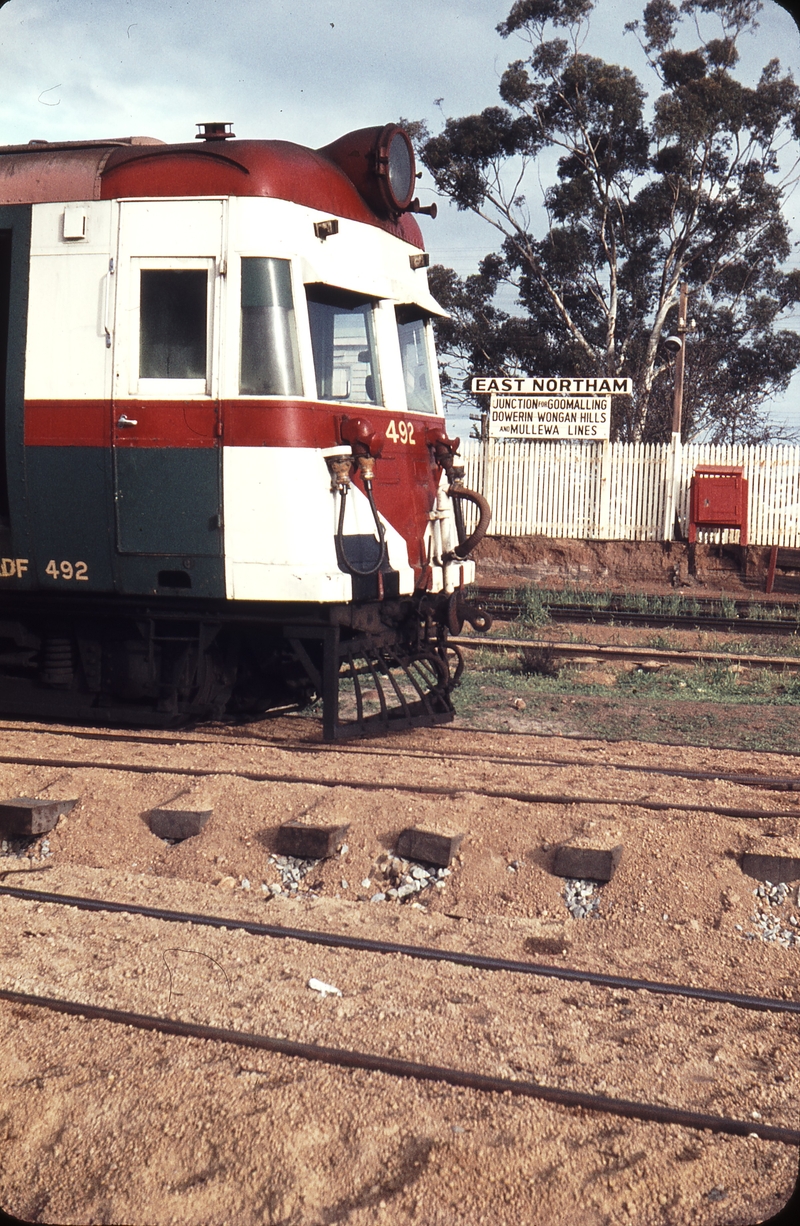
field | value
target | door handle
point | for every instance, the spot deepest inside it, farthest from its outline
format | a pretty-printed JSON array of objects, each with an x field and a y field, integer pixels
[{"x": 126, "y": 421}]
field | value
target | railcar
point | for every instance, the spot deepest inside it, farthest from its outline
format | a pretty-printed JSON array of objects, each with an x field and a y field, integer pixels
[{"x": 225, "y": 478}]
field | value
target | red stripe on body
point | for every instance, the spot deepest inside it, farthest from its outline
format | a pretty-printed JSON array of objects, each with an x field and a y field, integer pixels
[
  {"x": 406, "y": 477},
  {"x": 280, "y": 423},
  {"x": 67, "y": 423},
  {"x": 88, "y": 423},
  {"x": 166, "y": 423}
]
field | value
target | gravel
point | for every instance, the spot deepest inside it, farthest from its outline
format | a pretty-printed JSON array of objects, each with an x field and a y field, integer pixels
[
  {"x": 406, "y": 879},
  {"x": 26, "y": 848},
  {"x": 403, "y": 880},
  {"x": 769, "y": 926},
  {"x": 292, "y": 870},
  {"x": 582, "y": 897}
]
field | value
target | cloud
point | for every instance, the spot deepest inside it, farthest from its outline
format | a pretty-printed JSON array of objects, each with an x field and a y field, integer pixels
[{"x": 306, "y": 70}]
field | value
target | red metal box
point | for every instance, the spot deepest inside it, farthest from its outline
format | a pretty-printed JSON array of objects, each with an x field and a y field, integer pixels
[{"x": 718, "y": 499}]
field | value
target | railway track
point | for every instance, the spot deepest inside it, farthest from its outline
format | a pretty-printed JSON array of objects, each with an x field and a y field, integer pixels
[
  {"x": 335, "y": 940},
  {"x": 616, "y": 653},
  {"x": 707, "y": 616},
  {"x": 398, "y": 750},
  {"x": 447, "y": 996},
  {"x": 418, "y": 1070},
  {"x": 396, "y": 785}
]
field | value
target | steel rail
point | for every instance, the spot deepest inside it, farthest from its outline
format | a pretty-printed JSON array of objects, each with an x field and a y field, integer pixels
[
  {"x": 511, "y": 609},
  {"x": 609, "y": 651},
  {"x": 774, "y": 783},
  {"x": 344, "y": 1058},
  {"x": 763, "y": 1004},
  {"x": 505, "y": 594},
  {"x": 427, "y": 789},
  {"x": 769, "y": 628}
]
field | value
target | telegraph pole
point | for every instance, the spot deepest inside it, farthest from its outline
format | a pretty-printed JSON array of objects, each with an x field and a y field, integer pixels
[
  {"x": 678, "y": 346},
  {"x": 677, "y": 395}
]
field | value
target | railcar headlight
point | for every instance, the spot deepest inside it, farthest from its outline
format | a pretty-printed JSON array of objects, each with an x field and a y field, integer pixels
[
  {"x": 379, "y": 162},
  {"x": 394, "y": 164}
]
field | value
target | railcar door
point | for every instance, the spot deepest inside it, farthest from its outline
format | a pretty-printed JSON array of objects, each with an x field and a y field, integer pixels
[{"x": 165, "y": 424}]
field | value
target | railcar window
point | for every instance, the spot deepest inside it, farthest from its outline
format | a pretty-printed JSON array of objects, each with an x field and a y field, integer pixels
[
  {"x": 412, "y": 330},
  {"x": 269, "y": 361},
  {"x": 172, "y": 330},
  {"x": 343, "y": 340}
]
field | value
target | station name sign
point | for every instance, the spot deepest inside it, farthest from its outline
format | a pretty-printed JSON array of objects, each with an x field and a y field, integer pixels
[
  {"x": 575, "y": 409},
  {"x": 535, "y": 386}
]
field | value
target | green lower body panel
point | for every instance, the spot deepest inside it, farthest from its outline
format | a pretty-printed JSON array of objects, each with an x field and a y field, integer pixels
[{"x": 137, "y": 521}]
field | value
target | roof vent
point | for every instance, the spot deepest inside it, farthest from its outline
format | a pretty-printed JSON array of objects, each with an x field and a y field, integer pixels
[{"x": 215, "y": 131}]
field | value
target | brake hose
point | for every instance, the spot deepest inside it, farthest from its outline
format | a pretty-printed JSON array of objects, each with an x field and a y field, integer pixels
[
  {"x": 466, "y": 545},
  {"x": 340, "y": 549}
]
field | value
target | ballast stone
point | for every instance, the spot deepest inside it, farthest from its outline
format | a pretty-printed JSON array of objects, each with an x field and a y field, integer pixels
[
  {"x": 581, "y": 898},
  {"x": 24, "y": 816}
]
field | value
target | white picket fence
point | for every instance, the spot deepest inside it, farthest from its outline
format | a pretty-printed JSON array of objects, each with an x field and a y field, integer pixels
[{"x": 621, "y": 491}]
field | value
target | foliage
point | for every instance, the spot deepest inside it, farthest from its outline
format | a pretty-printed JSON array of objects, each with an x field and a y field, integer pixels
[{"x": 690, "y": 190}]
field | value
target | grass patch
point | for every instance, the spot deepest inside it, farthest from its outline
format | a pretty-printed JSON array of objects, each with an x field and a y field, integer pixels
[
  {"x": 539, "y": 662},
  {"x": 538, "y": 601},
  {"x": 773, "y": 612},
  {"x": 707, "y": 705},
  {"x": 710, "y": 682},
  {"x": 664, "y": 642}
]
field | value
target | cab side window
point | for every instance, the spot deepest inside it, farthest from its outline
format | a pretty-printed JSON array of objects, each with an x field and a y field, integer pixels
[
  {"x": 269, "y": 362},
  {"x": 173, "y": 324},
  {"x": 343, "y": 341},
  {"x": 413, "y": 329}
]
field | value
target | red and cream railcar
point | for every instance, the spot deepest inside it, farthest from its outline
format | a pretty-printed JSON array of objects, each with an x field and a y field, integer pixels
[{"x": 225, "y": 479}]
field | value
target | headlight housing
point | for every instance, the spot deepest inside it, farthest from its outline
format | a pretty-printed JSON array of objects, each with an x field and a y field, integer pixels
[{"x": 380, "y": 164}]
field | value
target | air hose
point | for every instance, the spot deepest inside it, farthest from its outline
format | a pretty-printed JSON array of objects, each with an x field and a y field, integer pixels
[
  {"x": 365, "y": 464},
  {"x": 467, "y": 543},
  {"x": 444, "y": 450}
]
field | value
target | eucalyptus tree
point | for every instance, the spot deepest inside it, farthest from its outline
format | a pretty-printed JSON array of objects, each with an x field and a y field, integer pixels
[{"x": 646, "y": 192}]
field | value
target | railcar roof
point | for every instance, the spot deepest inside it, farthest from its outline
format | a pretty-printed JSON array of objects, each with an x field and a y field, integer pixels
[{"x": 137, "y": 166}]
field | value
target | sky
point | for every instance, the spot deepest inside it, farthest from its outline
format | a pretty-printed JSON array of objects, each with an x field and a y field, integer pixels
[{"x": 299, "y": 70}]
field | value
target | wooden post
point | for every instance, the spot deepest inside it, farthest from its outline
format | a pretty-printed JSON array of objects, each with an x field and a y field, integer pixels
[
  {"x": 677, "y": 395},
  {"x": 673, "y": 464},
  {"x": 604, "y": 517}
]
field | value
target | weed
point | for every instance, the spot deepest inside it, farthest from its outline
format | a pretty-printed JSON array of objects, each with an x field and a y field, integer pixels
[
  {"x": 538, "y": 661},
  {"x": 728, "y": 607},
  {"x": 773, "y": 612},
  {"x": 734, "y": 647},
  {"x": 636, "y": 602},
  {"x": 534, "y": 607},
  {"x": 664, "y": 642}
]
